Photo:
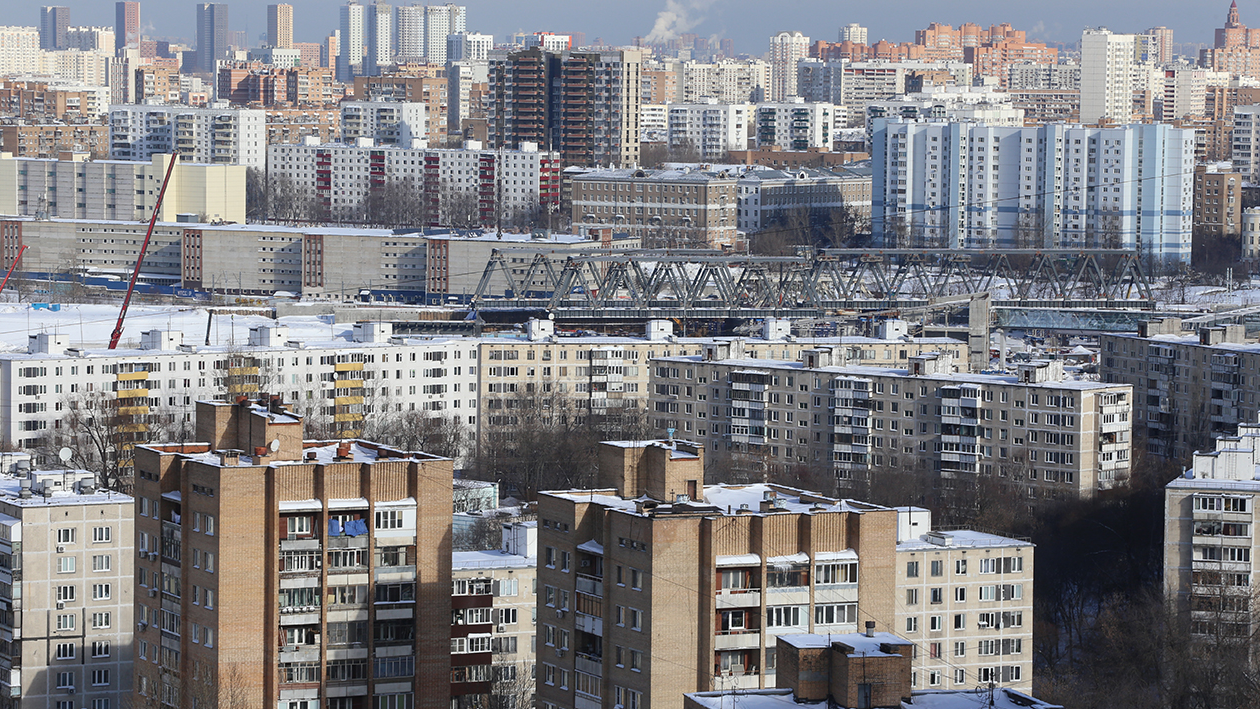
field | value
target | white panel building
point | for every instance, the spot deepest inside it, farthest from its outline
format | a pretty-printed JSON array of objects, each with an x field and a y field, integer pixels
[
  {"x": 440, "y": 21},
  {"x": 795, "y": 125},
  {"x": 236, "y": 136},
  {"x": 1108, "y": 64},
  {"x": 385, "y": 122},
  {"x": 971, "y": 185},
  {"x": 713, "y": 128}
]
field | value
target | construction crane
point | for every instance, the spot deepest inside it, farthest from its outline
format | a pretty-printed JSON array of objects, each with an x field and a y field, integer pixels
[
  {"x": 17, "y": 258},
  {"x": 131, "y": 286}
]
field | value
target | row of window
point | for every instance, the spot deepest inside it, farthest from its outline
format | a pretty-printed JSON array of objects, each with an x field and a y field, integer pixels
[
  {"x": 987, "y": 620},
  {"x": 988, "y": 565}
]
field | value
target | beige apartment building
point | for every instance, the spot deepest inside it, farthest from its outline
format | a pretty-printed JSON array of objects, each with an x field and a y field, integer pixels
[
  {"x": 1188, "y": 386},
  {"x": 1209, "y": 539},
  {"x": 609, "y": 376},
  {"x": 288, "y": 572},
  {"x": 47, "y": 140},
  {"x": 656, "y": 584},
  {"x": 662, "y": 208},
  {"x": 493, "y": 598},
  {"x": 965, "y": 598},
  {"x": 1051, "y": 437},
  {"x": 66, "y": 573}
]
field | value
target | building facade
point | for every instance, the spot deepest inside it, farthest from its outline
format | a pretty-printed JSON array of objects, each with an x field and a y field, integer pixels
[
  {"x": 1059, "y": 186},
  {"x": 67, "y": 591},
  {"x": 786, "y": 48},
  {"x": 695, "y": 208},
  {"x": 794, "y": 125},
  {"x": 202, "y": 135},
  {"x": 713, "y": 129}
]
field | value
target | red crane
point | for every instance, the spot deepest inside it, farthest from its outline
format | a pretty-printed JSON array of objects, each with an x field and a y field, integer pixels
[
  {"x": 17, "y": 258},
  {"x": 131, "y": 286}
]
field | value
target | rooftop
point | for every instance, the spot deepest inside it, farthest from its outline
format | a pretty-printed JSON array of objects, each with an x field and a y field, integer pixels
[
  {"x": 488, "y": 560},
  {"x": 959, "y": 539},
  {"x": 58, "y": 488},
  {"x": 721, "y": 500},
  {"x": 931, "y": 699}
]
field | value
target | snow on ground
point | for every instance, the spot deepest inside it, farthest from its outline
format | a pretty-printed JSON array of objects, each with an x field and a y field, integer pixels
[{"x": 90, "y": 325}]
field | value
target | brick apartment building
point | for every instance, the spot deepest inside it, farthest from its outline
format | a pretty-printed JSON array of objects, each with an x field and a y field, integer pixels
[{"x": 284, "y": 572}]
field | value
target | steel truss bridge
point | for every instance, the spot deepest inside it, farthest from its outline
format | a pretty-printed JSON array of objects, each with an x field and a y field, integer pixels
[{"x": 637, "y": 285}]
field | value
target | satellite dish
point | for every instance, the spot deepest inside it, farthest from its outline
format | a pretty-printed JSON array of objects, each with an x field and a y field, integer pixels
[
  {"x": 275, "y": 445},
  {"x": 65, "y": 454}
]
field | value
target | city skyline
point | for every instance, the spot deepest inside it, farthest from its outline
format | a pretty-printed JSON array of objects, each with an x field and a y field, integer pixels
[{"x": 618, "y": 25}]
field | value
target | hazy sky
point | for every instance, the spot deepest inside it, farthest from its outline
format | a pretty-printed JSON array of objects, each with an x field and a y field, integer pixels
[{"x": 748, "y": 22}]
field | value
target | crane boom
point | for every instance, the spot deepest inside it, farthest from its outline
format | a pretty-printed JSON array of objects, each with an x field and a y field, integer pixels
[
  {"x": 131, "y": 286},
  {"x": 12, "y": 266}
]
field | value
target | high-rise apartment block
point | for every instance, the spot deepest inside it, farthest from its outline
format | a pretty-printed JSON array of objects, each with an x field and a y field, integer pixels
[
  {"x": 1050, "y": 437},
  {"x": 786, "y": 48},
  {"x": 441, "y": 21},
  {"x": 494, "y": 613},
  {"x": 1245, "y": 145},
  {"x": 54, "y": 21},
  {"x": 66, "y": 590},
  {"x": 126, "y": 24},
  {"x": 1109, "y": 63},
  {"x": 1161, "y": 44},
  {"x": 712, "y": 129},
  {"x": 794, "y": 125},
  {"x": 352, "y": 41},
  {"x": 654, "y": 583},
  {"x": 283, "y": 570},
  {"x": 280, "y": 26},
  {"x": 1218, "y": 200},
  {"x": 1129, "y": 186},
  {"x": 584, "y": 105},
  {"x": 212, "y": 35},
  {"x": 380, "y": 38},
  {"x": 853, "y": 32},
  {"x": 469, "y": 47},
  {"x": 204, "y": 135},
  {"x": 1189, "y": 386},
  {"x": 1210, "y": 547}
]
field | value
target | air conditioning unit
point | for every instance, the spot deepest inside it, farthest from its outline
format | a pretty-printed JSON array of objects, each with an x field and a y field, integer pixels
[
  {"x": 61, "y": 606},
  {"x": 61, "y": 549},
  {"x": 141, "y": 625},
  {"x": 559, "y": 613},
  {"x": 586, "y": 563},
  {"x": 153, "y": 555},
  {"x": 559, "y": 653},
  {"x": 153, "y": 593},
  {"x": 501, "y": 629},
  {"x": 70, "y": 689},
  {"x": 144, "y": 553}
]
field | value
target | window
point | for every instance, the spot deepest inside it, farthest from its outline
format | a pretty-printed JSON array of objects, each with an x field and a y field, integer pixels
[
  {"x": 912, "y": 569},
  {"x": 66, "y": 536},
  {"x": 100, "y": 562},
  {"x": 784, "y": 616},
  {"x": 65, "y": 651},
  {"x": 960, "y": 676},
  {"x": 102, "y": 534},
  {"x": 835, "y": 613},
  {"x": 960, "y": 567},
  {"x": 299, "y": 524},
  {"x": 65, "y": 594},
  {"x": 960, "y": 595},
  {"x": 912, "y": 596},
  {"x": 836, "y": 573},
  {"x": 66, "y": 621},
  {"x": 912, "y": 625},
  {"x": 935, "y": 623},
  {"x": 936, "y": 595},
  {"x": 389, "y": 519},
  {"x": 960, "y": 621},
  {"x": 100, "y": 678},
  {"x": 65, "y": 564},
  {"x": 100, "y": 648},
  {"x": 938, "y": 568},
  {"x": 960, "y": 649},
  {"x": 65, "y": 680},
  {"x": 101, "y": 620}
]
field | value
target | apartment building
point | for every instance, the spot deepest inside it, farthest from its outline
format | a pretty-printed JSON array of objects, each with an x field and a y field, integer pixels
[
  {"x": 1050, "y": 437},
  {"x": 965, "y": 599},
  {"x": 712, "y": 129},
  {"x": 654, "y": 583},
  {"x": 794, "y": 125},
  {"x": 770, "y": 197},
  {"x": 471, "y": 184},
  {"x": 66, "y": 590},
  {"x": 1246, "y": 140},
  {"x": 582, "y": 104},
  {"x": 72, "y": 186},
  {"x": 494, "y": 613},
  {"x": 729, "y": 81},
  {"x": 47, "y": 140},
  {"x": 336, "y": 384},
  {"x": 413, "y": 85},
  {"x": 979, "y": 104},
  {"x": 1218, "y": 199},
  {"x": 202, "y": 135},
  {"x": 662, "y": 208},
  {"x": 384, "y": 122},
  {"x": 1188, "y": 387},
  {"x": 786, "y": 48},
  {"x": 51, "y": 101},
  {"x": 289, "y": 571},
  {"x": 1035, "y": 75},
  {"x": 1074, "y": 186},
  {"x": 264, "y": 83},
  {"x": 1209, "y": 542},
  {"x": 1108, "y": 65}
]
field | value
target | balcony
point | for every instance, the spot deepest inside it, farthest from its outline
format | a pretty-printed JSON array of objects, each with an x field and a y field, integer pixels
[
  {"x": 737, "y": 640},
  {"x": 591, "y": 585},
  {"x": 588, "y": 623},
  {"x": 737, "y": 679},
  {"x": 590, "y": 664}
]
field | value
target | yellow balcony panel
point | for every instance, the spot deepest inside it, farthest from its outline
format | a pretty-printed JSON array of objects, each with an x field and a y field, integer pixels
[
  {"x": 133, "y": 410},
  {"x": 348, "y": 400},
  {"x": 134, "y": 427},
  {"x": 132, "y": 376},
  {"x": 348, "y": 367},
  {"x": 242, "y": 371},
  {"x": 132, "y": 393},
  {"x": 347, "y": 417}
]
